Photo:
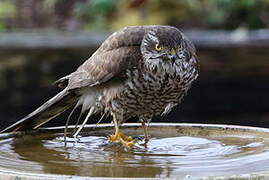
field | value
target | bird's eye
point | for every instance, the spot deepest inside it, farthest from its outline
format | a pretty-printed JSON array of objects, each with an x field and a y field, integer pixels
[
  {"x": 180, "y": 47},
  {"x": 158, "y": 47}
]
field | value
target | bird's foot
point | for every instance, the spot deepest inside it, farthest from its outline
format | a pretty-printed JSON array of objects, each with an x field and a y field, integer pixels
[{"x": 126, "y": 140}]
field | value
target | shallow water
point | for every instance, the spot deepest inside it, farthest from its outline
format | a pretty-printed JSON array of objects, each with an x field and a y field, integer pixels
[{"x": 163, "y": 156}]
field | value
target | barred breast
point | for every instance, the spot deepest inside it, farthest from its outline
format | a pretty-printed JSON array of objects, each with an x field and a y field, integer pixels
[{"x": 146, "y": 93}]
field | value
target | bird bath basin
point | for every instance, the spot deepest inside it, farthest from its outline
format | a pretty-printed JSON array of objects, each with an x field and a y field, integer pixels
[{"x": 189, "y": 151}]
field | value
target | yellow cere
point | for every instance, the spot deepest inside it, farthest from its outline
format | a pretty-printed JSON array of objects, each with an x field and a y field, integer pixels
[
  {"x": 172, "y": 51},
  {"x": 180, "y": 47},
  {"x": 158, "y": 47}
]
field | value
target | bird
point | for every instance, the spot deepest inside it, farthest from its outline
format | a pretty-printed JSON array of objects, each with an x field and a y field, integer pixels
[{"x": 138, "y": 71}]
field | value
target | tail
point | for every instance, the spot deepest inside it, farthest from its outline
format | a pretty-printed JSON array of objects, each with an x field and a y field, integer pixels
[{"x": 49, "y": 110}]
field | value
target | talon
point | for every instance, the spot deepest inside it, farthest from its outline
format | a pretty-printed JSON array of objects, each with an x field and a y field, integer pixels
[
  {"x": 112, "y": 138},
  {"x": 126, "y": 140},
  {"x": 127, "y": 144},
  {"x": 146, "y": 140}
]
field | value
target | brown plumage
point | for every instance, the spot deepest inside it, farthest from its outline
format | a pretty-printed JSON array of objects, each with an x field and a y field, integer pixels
[{"x": 139, "y": 71}]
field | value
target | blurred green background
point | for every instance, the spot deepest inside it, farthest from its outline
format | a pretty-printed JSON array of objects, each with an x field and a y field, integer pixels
[
  {"x": 43, "y": 40},
  {"x": 110, "y": 15}
]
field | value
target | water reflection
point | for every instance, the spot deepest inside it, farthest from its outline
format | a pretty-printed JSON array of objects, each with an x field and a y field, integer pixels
[
  {"x": 92, "y": 156},
  {"x": 50, "y": 160}
]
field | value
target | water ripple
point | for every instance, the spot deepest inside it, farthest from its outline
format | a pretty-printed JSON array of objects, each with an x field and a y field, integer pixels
[{"x": 162, "y": 157}]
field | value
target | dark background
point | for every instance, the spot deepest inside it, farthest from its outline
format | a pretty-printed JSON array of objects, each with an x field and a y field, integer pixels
[{"x": 43, "y": 40}]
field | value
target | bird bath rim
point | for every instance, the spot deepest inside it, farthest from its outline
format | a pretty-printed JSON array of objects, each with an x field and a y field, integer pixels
[{"x": 246, "y": 130}]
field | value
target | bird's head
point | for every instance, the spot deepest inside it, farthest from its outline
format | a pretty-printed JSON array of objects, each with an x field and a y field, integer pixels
[{"x": 166, "y": 49}]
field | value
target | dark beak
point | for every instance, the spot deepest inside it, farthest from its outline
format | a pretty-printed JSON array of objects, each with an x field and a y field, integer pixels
[{"x": 172, "y": 57}]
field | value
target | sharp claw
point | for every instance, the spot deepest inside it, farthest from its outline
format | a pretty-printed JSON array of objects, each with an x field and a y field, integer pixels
[
  {"x": 112, "y": 138},
  {"x": 146, "y": 140},
  {"x": 126, "y": 140},
  {"x": 127, "y": 144}
]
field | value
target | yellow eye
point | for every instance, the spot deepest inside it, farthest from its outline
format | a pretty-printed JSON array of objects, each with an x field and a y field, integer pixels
[
  {"x": 158, "y": 47},
  {"x": 180, "y": 47}
]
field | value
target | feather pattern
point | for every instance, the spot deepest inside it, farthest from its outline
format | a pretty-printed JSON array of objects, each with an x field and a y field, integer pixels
[
  {"x": 126, "y": 76},
  {"x": 52, "y": 108}
]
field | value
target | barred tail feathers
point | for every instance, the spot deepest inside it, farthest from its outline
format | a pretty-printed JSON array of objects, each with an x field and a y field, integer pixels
[{"x": 49, "y": 110}]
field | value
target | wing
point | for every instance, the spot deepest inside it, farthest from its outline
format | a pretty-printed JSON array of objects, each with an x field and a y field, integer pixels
[
  {"x": 104, "y": 66},
  {"x": 119, "y": 52}
]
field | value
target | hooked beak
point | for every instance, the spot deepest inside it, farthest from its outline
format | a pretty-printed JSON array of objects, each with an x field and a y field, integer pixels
[
  {"x": 172, "y": 57},
  {"x": 172, "y": 54}
]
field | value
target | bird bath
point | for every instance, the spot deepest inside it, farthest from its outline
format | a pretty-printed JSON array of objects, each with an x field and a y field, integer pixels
[{"x": 189, "y": 151}]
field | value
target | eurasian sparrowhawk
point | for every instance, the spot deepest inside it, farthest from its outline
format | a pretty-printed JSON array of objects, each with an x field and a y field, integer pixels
[{"x": 139, "y": 71}]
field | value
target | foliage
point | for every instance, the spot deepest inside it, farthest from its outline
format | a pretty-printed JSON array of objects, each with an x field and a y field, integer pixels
[
  {"x": 95, "y": 13},
  {"x": 108, "y": 15},
  {"x": 233, "y": 13},
  {"x": 7, "y": 10}
]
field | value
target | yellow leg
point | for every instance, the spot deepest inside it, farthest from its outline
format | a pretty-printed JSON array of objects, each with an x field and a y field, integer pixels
[
  {"x": 126, "y": 140},
  {"x": 145, "y": 131}
]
